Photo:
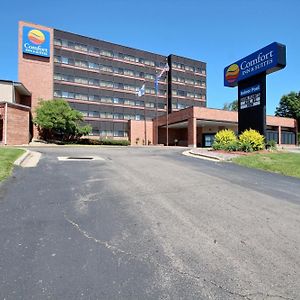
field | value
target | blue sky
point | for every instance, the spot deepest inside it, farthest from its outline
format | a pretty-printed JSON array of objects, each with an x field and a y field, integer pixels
[{"x": 216, "y": 31}]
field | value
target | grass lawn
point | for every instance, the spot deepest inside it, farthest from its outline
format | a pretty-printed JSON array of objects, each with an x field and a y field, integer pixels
[
  {"x": 7, "y": 158},
  {"x": 283, "y": 163}
]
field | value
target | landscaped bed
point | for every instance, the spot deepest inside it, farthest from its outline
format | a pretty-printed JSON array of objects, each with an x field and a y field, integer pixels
[
  {"x": 279, "y": 162},
  {"x": 7, "y": 158}
]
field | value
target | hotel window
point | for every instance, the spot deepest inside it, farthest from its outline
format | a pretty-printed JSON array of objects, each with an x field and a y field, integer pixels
[
  {"x": 162, "y": 92},
  {"x": 174, "y": 105},
  {"x": 130, "y": 58},
  {"x": 64, "y": 60},
  {"x": 139, "y": 103},
  {"x": 64, "y": 43},
  {"x": 188, "y": 68},
  {"x": 106, "y": 53},
  {"x": 94, "y": 97},
  {"x": 57, "y": 94},
  {"x": 81, "y": 80},
  {"x": 150, "y": 91},
  {"x": 81, "y": 96},
  {"x": 68, "y": 78},
  {"x": 94, "y": 114},
  {"x": 84, "y": 112},
  {"x": 94, "y": 50},
  {"x": 106, "y": 100},
  {"x": 149, "y": 76},
  {"x": 80, "y": 47},
  {"x": 129, "y": 117},
  {"x": 150, "y": 104},
  {"x": 181, "y": 106},
  {"x": 189, "y": 94},
  {"x": 118, "y": 101},
  {"x": 181, "y": 93},
  {"x": 129, "y": 87},
  {"x": 128, "y": 72},
  {"x": 109, "y": 115},
  {"x": 81, "y": 64},
  {"x": 149, "y": 63},
  {"x": 57, "y": 59},
  {"x": 67, "y": 95},
  {"x": 129, "y": 102},
  {"x": 174, "y": 92},
  {"x": 107, "y": 84},
  {"x": 106, "y": 69},
  {"x": 57, "y": 77},
  {"x": 161, "y": 106},
  {"x": 118, "y": 116},
  {"x": 94, "y": 82},
  {"x": 94, "y": 66},
  {"x": 189, "y": 81},
  {"x": 57, "y": 42},
  {"x": 102, "y": 115},
  {"x": 174, "y": 78},
  {"x": 119, "y": 86},
  {"x": 120, "y": 133}
]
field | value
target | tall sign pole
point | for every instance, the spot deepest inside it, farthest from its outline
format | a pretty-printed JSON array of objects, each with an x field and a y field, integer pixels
[{"x": 249, "y": 74}]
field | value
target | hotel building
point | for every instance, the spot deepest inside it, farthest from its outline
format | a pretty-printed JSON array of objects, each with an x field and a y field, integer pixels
[{"x": 101, "y": 80}]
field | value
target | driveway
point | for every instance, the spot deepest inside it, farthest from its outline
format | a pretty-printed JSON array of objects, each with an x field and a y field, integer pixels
[{"x": 147, "y": 223}]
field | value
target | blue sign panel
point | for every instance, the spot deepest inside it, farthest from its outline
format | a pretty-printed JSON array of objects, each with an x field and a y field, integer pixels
[
  {"x": 250, "y": 90},
  {"x": 268, "y": 59},
  {"x": 36, "y": 41}
]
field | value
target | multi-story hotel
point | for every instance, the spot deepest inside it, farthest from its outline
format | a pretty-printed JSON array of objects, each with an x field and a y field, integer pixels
[{"x": 101, "y": 79}]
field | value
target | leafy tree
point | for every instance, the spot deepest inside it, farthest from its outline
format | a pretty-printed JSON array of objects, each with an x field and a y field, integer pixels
[
  {"x": 55, "y": 119},
  {"x": 289, "y": 106},
  {"x": 232, "y": 106}
]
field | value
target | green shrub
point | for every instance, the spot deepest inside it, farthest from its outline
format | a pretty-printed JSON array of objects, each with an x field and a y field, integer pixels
[
  {"x": 233, "y": 146},
  {"x": 252, "y": 140},
  {"x": 272, "y": 145},
  {"x": 114, "y": 142},
  {"x": 224, "y": 138}
]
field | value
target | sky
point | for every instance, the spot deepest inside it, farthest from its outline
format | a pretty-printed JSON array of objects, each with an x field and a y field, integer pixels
[{"x": 217, "y": 32}]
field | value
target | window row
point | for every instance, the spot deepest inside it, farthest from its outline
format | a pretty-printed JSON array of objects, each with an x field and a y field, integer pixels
[
  {"x": 110, "y": 115},
  {"x": 109, "y": 133},
  {"x": 122, "y": 56},
  {"x": 188, "y": 81},
  {"x": 107, "y": 53},
  {"x": 109, "y": 100},
  {"x": 188, "y": 94},
  {"x": 103, "y": 68},
  {"x": 106, "y": 84},
  {"x": 189, "y": 68}
]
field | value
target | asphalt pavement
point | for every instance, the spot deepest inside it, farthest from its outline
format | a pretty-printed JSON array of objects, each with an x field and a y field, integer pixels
[{"x": 147, "y": 223}]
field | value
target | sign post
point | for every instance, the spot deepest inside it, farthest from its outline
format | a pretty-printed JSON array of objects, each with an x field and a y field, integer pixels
[{"x": 249, "y": 74}]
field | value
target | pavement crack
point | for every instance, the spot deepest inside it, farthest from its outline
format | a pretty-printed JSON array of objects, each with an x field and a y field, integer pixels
[{"x": 115, "y": 250}]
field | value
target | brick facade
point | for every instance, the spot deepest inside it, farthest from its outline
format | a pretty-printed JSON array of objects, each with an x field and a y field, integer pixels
[
  {"x": 140, "y": 132},
  {"x": 15, "y": 124},
  {"x": 35, "y": 72}
]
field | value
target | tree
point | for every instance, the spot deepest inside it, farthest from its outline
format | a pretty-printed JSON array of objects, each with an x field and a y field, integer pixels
[
  {"x": 232, "y": 106},
  {"x": 55, "y": 119},
  {"x": 289, "y": 106}
]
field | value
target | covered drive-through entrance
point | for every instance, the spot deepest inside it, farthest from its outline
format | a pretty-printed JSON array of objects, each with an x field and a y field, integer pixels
[{"x": 196, "y": 127}]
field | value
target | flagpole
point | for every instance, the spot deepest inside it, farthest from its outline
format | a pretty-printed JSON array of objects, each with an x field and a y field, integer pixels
[
  {"x": 156, "y": 91},
  {"x": 146, "y": 141},
  {"x": 167, "y": 107}
]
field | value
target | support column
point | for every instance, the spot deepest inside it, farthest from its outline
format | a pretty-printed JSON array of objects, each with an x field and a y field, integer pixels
[
  {"x": 279, "y": 135},
  {"x": 192, "y": 132}
]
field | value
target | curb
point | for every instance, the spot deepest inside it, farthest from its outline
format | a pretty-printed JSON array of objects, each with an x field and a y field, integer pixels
[
  {"x": 207, "y": 156},
  {"x": 200, "y": 156},
  {"x": 19, "y": 160}
]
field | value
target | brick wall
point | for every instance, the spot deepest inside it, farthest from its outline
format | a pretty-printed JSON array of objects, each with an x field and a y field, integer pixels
[
  {"x": 35, "y": 72},
  {"x": 140, "y": 131}
]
